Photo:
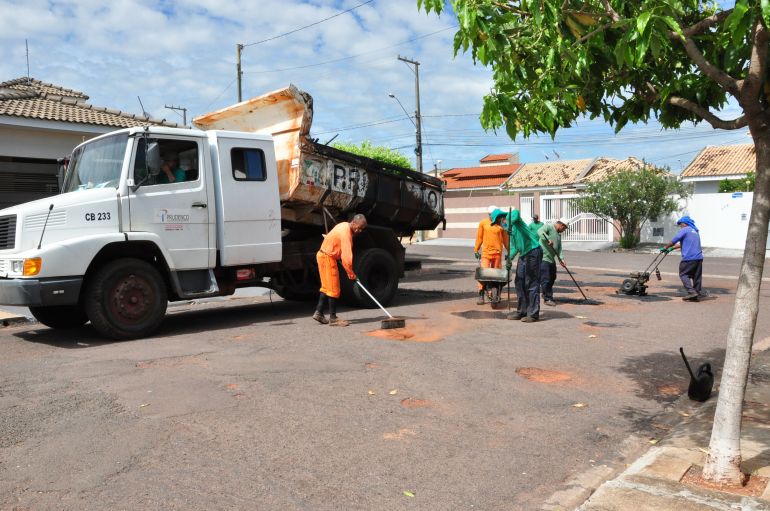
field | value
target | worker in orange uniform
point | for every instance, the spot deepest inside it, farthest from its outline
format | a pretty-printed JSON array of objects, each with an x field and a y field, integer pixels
[
  {"x": 491, "y": 235},
  {"x": 337, "y": 246}
]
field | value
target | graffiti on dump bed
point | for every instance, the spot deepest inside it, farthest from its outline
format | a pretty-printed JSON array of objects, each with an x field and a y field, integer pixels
[
  {"x": 329, "y": 174},
  {"x": 425, "y": 195}
]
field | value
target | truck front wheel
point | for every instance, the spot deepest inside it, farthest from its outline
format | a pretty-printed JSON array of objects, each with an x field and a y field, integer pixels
[
  {"x": 126, "y": 299},
  {"x": 60, "y": 316}
]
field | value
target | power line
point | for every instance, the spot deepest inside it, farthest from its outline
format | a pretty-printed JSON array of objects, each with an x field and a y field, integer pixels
[
  {"x": 334, "y": 61},
  {"x": 308, "y": 26}
]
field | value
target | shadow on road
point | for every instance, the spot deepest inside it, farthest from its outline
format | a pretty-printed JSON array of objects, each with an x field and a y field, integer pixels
[{"x": 657, "y": 375}]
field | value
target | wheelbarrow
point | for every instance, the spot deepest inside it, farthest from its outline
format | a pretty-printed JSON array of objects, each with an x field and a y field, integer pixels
[{"x": 493, "y": 280}]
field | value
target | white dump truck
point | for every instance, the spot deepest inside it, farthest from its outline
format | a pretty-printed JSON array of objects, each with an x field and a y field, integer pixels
[{"x": 151, "y": 215}]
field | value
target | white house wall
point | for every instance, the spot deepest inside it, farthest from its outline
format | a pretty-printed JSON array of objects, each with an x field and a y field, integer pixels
[
  {"x": 722, "y": 218},
  {"x": 32, "y": 143}
]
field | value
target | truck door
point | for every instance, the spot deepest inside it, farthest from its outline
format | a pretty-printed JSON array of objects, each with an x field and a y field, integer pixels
[
  {"x": 173, "y": 205},
  {"x": 248, "y": 209}
]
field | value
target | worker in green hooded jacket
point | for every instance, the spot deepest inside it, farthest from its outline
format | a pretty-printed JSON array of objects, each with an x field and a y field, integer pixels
[{"x": 524, "y": 243}]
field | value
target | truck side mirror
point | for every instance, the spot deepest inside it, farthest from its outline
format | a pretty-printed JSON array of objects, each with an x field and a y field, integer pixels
[{"x": 153, "y": 158}]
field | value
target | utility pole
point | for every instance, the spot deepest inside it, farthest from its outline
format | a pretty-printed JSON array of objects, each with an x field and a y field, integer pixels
[
  {"x": 238, "y": 50},
  {"x": 418, "y": 147},
  {"x": 181, "y": 109}
]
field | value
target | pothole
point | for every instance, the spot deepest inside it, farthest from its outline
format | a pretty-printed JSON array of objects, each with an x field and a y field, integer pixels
[
  {"x": 542, "y": 375},
  {"x": 412, "y": 402}
]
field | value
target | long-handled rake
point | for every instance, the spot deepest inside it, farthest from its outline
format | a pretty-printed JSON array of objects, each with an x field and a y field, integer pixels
[{"x": 586, "y": 300}]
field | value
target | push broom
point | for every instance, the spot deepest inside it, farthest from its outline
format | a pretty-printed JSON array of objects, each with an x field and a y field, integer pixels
[{"x": 385, "y": 324}]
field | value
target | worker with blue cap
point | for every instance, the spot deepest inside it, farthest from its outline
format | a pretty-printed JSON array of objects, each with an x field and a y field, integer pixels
[{"x": 691, "y": 266}]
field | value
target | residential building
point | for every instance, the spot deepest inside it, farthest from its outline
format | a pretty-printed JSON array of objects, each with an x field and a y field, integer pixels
[
  {"x": 41, "y": 122},
  {"x": 715, "y": 163},
  {"x": 471, "y": 190}
]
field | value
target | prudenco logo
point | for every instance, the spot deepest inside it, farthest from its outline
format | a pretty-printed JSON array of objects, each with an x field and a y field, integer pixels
[{"x": 172, "y": 216}]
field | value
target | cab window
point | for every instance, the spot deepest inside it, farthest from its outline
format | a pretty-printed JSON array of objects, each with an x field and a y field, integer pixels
[
  {"x": 179, "y": 162},
  {"x": 248, "y": 164}
]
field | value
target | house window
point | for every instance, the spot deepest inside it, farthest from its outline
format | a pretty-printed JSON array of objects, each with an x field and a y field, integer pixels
[
  {"x": 658, "y": 231},
  {"x": 248, "y": 164}
]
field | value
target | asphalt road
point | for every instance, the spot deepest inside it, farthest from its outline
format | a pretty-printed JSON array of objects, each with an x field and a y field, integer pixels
[{"x": 248, "y": 404}]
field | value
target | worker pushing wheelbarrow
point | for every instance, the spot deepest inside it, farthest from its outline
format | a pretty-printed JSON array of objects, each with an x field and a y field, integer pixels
[{"x": 491, "y": 241}]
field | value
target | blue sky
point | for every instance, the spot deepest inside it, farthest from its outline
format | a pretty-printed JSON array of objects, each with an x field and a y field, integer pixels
[{"x": 183, "y": 53}]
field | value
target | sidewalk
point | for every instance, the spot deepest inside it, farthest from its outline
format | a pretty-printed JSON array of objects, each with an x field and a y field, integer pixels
[{"x": 654, "y": 481}]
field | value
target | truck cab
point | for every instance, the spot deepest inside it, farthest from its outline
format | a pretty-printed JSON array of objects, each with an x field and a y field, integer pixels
[{"x": 142, "y": 213}]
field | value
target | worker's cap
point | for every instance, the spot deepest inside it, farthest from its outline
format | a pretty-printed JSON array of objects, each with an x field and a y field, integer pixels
[
  {"x": 491, "y": 209},
  {"x": 564, "y": 222},
  {"x": 497, "y": 213}
]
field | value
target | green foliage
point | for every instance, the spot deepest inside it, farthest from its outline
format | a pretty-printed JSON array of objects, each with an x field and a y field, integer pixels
[
  {"x": 631, "y": 197},
  {"x": 379, "y": 153},
  {"x": 555, "y": 61},
  {"x": 737, "y": 185}
]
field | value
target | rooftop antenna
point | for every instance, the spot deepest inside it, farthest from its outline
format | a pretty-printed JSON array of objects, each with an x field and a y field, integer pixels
[
  {"x": 26, "y": 44},
  {"x": 144, "y": 112}
]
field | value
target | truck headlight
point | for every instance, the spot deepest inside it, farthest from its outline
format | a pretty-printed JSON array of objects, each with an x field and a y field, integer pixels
[{"x": 32, "y": 266}]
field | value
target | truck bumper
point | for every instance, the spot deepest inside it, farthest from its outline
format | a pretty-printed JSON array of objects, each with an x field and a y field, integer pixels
[{"x": 40, "y": 292}]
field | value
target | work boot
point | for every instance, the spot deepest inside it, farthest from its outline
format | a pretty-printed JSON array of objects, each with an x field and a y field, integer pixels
[
  {"x": 550, "y": 302},
  {"x": 528, "y": 319},
  {"x": 318, "y": 316},
  {"x": 335, "y": 321},
  {"x": 514, "y": 316},
  {"x": 480, "y": 301}
]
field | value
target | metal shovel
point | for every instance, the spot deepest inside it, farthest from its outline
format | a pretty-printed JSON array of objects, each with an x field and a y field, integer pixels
[{"x": 385, "y": 324}]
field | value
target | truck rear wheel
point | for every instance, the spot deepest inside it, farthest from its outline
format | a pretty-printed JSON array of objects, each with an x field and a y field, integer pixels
[
  {"x": 126, "y": 299},
  {"x": 377, "y": 270},
  {"x": 60, "y": 316}
]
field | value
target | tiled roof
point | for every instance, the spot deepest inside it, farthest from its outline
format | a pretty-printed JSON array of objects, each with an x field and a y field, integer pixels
[
  {"x": 33, "y": 99},
  {"x": 548, "y": 174},
  {"x": 496, "y": 157},
  {"x": 723, "y": 161},
  {"x": 478, "y": 177},
  {"x": 604, "y": 167}
]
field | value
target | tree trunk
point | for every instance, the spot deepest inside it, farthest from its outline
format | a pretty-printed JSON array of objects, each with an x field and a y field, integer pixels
[{"x": 724, "y": 458}]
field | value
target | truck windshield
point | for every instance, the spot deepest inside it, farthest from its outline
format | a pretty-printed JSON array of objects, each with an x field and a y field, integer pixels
[{"x": 96, "y": 164}]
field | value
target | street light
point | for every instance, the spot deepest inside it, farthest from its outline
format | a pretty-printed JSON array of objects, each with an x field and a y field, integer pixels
[
  {"x": 391, "y": 95},
  {"x": 417, "y": 131}
]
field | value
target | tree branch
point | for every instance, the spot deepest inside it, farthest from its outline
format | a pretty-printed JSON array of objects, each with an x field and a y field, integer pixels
[
  {"x": 706, "y": 115},
  {"x": 705, "y": 24},
  {"x": 614, "y": 16},
  {"x": 752, "y": 85},
  {"x": 727, "y": 82},
  {"x": 589, "y": 35}
]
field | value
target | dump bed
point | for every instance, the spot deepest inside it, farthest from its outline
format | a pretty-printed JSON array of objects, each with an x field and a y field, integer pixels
[{"x": 315, "y": 179}]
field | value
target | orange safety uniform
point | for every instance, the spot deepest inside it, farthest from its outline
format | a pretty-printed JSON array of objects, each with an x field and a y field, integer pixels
[
  {"x": 338, "y": 245},
  {"x": 493, "y": 239}
]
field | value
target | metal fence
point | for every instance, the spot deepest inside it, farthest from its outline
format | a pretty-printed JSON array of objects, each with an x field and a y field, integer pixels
[{"x": 583, "y": 226}]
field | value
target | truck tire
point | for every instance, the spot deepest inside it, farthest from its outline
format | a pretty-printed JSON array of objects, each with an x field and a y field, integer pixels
[
  {"x": 60, "y": 316},
  {"x": 126, "y": 299},
  {"x": 377, "y": 270}
]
